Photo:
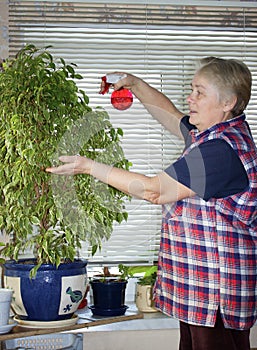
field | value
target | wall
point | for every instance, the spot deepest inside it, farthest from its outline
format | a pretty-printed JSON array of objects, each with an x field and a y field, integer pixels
[
  {"x": 4, "y": 39},
  {"x": 132, "y": 340}
]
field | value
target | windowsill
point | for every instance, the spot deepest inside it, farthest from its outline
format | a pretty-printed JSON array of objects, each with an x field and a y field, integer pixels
[{"x": 150, "y": 321}]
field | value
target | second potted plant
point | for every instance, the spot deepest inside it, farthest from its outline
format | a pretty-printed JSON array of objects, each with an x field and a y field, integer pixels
[{"x": 109, "y": 292}]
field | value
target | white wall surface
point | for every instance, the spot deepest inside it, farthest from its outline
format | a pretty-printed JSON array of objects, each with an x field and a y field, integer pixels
[
  {"x": 166, "y": 339},
  {"x": 132, "y": 340}
]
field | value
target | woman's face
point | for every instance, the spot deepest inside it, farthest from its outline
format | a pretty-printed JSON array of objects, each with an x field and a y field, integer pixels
[{"x": 205, "y": 107}]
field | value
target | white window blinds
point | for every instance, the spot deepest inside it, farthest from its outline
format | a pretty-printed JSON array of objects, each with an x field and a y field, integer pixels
[{"x": 157, "y": 41}]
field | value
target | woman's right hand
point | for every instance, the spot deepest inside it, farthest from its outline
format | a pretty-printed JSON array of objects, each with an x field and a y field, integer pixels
[{"x": 129, "y": 82}]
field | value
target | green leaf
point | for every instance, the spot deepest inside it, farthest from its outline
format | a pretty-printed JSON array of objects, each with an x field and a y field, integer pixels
[{"x": 94, "y": 249}]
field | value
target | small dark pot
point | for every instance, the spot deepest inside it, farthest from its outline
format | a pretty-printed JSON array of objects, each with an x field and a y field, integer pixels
[{"x": 109, "y": 297}]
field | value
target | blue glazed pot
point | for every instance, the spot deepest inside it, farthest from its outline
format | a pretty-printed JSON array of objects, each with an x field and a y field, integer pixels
[{"x": 54, "y": 294}]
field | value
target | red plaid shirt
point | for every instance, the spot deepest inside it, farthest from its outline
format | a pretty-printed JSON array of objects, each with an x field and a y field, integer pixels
[{"x": 208, "y": 250}]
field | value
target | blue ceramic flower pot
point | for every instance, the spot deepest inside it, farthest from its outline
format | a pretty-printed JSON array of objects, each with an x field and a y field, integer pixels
[{"x": 54, "y": 294}]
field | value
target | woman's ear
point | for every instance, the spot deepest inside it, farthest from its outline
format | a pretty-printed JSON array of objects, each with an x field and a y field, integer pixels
[{"x": 229, "y": 103}]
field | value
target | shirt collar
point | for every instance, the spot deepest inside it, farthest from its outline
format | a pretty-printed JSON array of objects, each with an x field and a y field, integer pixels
[{"x": 196, "y": 135}]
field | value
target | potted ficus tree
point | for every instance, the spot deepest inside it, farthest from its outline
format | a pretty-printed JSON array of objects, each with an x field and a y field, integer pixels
[{"x": 44, "y": 115}]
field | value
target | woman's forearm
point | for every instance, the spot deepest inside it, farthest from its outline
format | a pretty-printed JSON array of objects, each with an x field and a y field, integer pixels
[
  {"x": 159, "y": 189},
  {"x": 134, "y": 184},
  {"x": 161, "y": 108}
]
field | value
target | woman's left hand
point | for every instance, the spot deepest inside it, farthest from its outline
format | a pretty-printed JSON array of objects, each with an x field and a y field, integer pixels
[{"x": 73, "y": 165}]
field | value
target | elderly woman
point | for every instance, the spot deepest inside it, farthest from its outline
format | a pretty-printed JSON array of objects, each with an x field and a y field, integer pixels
[{"x": 207, "y": 276}]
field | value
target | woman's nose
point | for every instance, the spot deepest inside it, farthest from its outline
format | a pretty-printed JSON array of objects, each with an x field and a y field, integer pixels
[{"x": 189, "y": 98}]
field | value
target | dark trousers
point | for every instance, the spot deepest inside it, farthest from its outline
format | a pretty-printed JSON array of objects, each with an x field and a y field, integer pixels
[{"x": 209, "y": 338}]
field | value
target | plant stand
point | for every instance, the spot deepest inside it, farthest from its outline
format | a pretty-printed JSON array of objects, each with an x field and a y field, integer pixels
[{"x": 20, "y": 332}]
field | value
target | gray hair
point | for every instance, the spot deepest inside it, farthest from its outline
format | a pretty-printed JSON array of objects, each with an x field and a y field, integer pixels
[{"x": 231, "y": 77}]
